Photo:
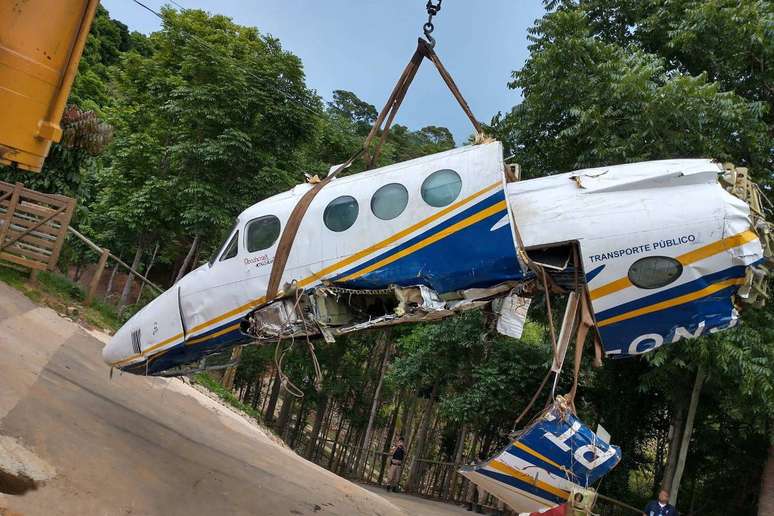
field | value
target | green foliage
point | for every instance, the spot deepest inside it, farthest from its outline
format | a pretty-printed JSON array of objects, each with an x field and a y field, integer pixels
[
  {"x": 207, "y": 124},
  {"x": 60, "y": 293},
  {"x": 209, "y": 383},
  {"x": 482, "y": 379},
  {"x": 592, "y": 101},
  {"x": 12, "y": 277},
  {"x": 57, "y": 284}
]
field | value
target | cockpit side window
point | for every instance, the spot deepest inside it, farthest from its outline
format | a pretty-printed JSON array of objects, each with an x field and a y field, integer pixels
[
  {"x": 232, "y": 248},
  {"x": 226, "y": 241},
  {"x": 262, "y": 233}
]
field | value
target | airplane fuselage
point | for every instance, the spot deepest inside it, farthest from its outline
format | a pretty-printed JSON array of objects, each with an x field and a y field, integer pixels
[{"x": 661, "y": 246}]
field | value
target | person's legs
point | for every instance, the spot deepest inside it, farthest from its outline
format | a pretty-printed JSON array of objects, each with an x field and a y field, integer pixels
[
  {"x": 396, "y": 484},
  {"x": 392, "y": 476}
]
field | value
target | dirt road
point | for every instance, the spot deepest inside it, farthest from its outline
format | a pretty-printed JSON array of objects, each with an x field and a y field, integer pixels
[{"x": 139, "y": 446}]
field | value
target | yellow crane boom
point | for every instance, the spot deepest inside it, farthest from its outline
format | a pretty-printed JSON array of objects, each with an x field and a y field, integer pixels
[{"x": 41, "y": 42}]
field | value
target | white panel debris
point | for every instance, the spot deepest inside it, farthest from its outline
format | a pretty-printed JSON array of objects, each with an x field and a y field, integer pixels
[{"x": 513, "y": 314}]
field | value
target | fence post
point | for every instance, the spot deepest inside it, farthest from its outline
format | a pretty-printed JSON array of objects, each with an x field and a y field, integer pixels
[
  {"x": 9, "y": 213},
  {"x": 94, "y": 285},
  {"x": 54, "y": 258}
]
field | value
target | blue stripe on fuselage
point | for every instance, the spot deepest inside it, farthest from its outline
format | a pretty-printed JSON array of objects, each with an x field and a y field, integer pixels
[
  {"x": 686, "y": 288},
  {"x": 472, "y": 257}
]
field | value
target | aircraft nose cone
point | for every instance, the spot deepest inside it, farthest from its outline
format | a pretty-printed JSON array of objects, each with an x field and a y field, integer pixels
[{"x": 116, "y": 350}]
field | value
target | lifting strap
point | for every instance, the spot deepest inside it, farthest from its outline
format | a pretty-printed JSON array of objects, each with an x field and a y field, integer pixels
[{"x": 383, "y": 123}]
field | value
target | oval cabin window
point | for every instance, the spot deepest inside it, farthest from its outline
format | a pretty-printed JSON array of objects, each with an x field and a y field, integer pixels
[
  {"x": 441, "y": 188},
  {"x": 262, "y": 233},
  {"x": 389, "y": 201},
  {"x": 341, "y": 213},
  {"x": 655, "y": 271}
]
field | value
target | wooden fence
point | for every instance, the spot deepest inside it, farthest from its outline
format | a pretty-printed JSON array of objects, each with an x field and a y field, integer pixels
[
  {"x": 33, "y": 226},
  {"x": 33, "y": 229},
  {"x": 437, "y": 480}
]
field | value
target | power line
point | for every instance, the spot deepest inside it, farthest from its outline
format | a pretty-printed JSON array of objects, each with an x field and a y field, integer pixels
[
  {"x": 232, "y": 61},
  {"x": 147, "y": 8}
]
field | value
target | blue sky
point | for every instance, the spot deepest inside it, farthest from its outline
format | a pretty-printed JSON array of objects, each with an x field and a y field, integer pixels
[{"x": 363, "y": 45}]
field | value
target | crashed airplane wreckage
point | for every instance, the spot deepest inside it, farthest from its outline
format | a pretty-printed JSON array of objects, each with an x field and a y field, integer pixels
[
  {"x": 660, "y": 250},
  {"x": 648, "y": 254},
  {"x": 555, "y": 459}
]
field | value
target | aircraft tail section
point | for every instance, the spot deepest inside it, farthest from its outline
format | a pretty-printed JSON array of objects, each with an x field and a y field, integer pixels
[{"x": 543, "y": 465}]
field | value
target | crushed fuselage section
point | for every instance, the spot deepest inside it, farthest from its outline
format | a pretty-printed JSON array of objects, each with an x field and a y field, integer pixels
[{"x": 329, "y": 310}]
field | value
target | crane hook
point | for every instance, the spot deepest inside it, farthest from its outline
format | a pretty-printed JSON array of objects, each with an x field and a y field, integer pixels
[{"x": 427, "y": 28}]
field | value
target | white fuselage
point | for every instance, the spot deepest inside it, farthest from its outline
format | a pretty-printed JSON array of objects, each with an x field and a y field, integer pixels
[{"x": 364, "y": 232}]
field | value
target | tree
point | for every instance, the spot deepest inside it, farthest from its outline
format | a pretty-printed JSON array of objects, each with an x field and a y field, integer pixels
[
  {"x": 590, "y": 102},
  {"x": 208, "y": 122}
]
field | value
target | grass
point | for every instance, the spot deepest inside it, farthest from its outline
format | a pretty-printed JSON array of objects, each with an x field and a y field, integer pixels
[
  {"x": 13, "y": 277},
  {"x": 209, "y": 383},
  {"x": 60, "y": 293}
]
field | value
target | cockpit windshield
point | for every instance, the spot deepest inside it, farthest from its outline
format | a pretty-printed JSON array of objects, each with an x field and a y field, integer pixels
[{"x": 226, "y": 240}]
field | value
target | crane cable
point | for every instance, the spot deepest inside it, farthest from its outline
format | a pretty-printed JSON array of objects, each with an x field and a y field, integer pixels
[{"x": 383, "y": 121}]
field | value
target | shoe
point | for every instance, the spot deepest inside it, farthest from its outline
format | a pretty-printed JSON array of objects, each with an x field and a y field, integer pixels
[
  {"x": 478, "y": 509},
  {"x": 395, "y": 489},
  {"x": 470, "y": 506}
]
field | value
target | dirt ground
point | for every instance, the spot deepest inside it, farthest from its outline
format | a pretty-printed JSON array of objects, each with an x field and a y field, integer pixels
[
  {"x": 417, "y": 505},
  {"x": 80, "y": 443}
]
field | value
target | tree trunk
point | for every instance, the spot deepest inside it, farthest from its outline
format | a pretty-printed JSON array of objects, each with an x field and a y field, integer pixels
[
  {"x": 335, "y": 445},
  {"x": 424, "y": 426},
  {"x": 375, "y": 401},
  {"x": 129, "y": 278},
  {"x": 319, "y": 417},
  {"x": 685, "y": 442},
  {"x": 275, "y": 389},
  {"x": 766, "y": 499},
  {"x": 284, "y": 415},
  {"x": 677, "y": 425},
  {"x": 408, "y": 420},
  {"x": 458, "y": 452},
  {"x": 319, "y": 452},
  {"x": 257, "y": 391},
  {"x": 188, "y": 259},
  {"x": 346, "y": 449},
  {"x": 300, "y": 422},
  {"x": 109, "y": 289},
  {"x": 147, "y": 270},
  {"x": 230, "y": 376}
]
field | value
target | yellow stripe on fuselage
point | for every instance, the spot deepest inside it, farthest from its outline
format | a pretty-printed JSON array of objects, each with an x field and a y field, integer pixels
[
  {"x": 326, "y": 270},
  {"x": 513, "y": 472},
  {"x": 686, "y": 298},
  {"x": 225, "y": 330},
  {"x": 685, "y": 259}
]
